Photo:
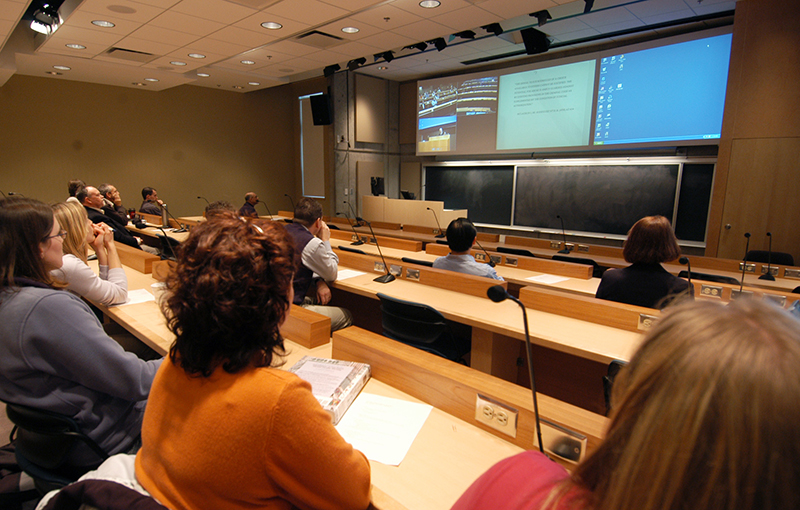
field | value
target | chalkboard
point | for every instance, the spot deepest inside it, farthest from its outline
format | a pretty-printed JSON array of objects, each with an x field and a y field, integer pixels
[
  {"x": 485, "y": 192},
  {"x": 605, "y": 199}
]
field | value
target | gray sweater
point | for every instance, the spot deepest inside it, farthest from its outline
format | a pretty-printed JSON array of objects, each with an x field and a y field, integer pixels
[{"x": 54, "y": 355}]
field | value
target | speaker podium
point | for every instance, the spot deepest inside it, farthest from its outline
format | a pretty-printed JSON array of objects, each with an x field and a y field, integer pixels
[{"x": 408, "y": 212}]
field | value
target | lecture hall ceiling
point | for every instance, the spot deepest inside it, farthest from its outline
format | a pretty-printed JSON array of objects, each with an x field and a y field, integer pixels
[{"x": 150, "y": 43}]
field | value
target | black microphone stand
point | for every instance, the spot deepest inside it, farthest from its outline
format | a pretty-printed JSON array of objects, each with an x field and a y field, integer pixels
[
  {"x": 744, "y": 263},
  {"x": 177, "y": 230},
  {"x": 488, "y": 257},
  {"x": 267, "y": 207},
  {"x": 441, "y": 233},
  {"x": 359, "y": 242},
  {"x": 290, "y": 200},
  {"x": 498, "y": 294},
  {"x": 768, "y": 274},
  {"x": 564, "y": 234},
  {"x": 685, "y": 262},
  {"x": 168, "y": 242},
  {"x": 388, "y": 277},
  {"x": 204, "y": 198}
]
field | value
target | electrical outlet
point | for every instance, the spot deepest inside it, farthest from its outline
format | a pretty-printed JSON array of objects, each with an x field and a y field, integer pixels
[
  {"x": 569, "y": 246},
  {"x": 791, "y": 273},
  {"x": 750, "y": 268},
  {"x": 395, "y": 269},
  {"x": 736, "y": 294},
  {"x": 512, "y": 261},
  {"x": 555, "y": 245},
  {"x": 772, "y": 270},
  {"x": 583, "y": 248},
  {"x": 480, "y": 257},
  {"x": 496, "y": 259},
  {"x": 379, "y": 267},
  {"x": 412, "y": 274},
  {"x": 645, "y": 321},
  {"x": 345, "y": 191},
  {"x": 711, "y": 291},
  {"x": 496, "y": 415},
  {"x": 778, "y": 300}
]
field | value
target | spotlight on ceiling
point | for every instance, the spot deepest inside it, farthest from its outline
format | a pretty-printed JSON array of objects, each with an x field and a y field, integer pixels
[
  {"x": 421, "y": 46},
  {"x": 541, "y": 16},
  {"x": 388, "y": 56},
  {"x": 466, "y": 34},
  {"x": 328, "y": 71},
  {"x": 535, "y": 41},
  {"x": 46, "y": 19},
  {"x": 440, "y": 43},
  {"x": 355, "y": 63},
  {"x": 493, "y": 28},
  {"x": 588, "y": 7}
]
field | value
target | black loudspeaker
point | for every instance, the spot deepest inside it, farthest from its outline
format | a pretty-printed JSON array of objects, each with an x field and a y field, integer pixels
[
  {"x": 376, "y": 183},
  {"x": 535, "y": 41},
  {"x": 321, "y": 109}
]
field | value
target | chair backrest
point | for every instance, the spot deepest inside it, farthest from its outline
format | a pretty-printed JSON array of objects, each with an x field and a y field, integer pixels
[
  {"x": 418, "y": 325},
  {"x": 597, "y": 269},
  {"x": 515, "y": 251},
  {"x": 409, "y": 260},
  {"x": 710, "y": 277},
  {"x": 778, "y": 258},
  {"x": 608, "y": 381},
  {"x": 352, "y": 250}
]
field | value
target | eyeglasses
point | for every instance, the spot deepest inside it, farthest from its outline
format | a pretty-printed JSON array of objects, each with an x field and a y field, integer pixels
[{"x": 62, "y": 234}]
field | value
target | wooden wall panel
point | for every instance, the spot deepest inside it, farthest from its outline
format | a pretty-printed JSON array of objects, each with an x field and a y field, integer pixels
[{"x": 371, "y": 112}]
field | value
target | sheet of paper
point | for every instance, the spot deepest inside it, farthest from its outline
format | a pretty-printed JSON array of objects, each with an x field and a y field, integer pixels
[
  {"x": 344, "y": 274},
  {"x": 383, "y": 428},
  {"x": 324, "y": 378},
  {"x": 137, "y": 296},
  {"x": 548, "y": 279}
]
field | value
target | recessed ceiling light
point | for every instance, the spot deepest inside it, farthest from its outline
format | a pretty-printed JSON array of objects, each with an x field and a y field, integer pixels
[
  {"x": 382, "y": 68},
  {"x": 62, "y": 68},
  {"x": 150, "y": 79},
  {"x": 248, "y": 62},
  {"x": 54, "y": 73},
  {"x": 271, "y": 25},
  {"x": 430, "y": 4},
  {"x": 350, "y": 30},
  {"x": 103, "y": 23},
  {"x": 203, "y": 75},
  {"x": 139, "y": 84},
  {"x": 238, "y": 87},
  {"x": 196, "y": 55},
  {"x": 76, "y": 46},
  {"x": 253, "y": 83},
  {"x": 178, "y": 63}
]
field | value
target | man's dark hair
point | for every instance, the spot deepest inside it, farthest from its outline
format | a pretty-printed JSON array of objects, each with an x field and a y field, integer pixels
[
  {"x": 147, "y": 191},
  {"x": 74, "y": 185},
  {"x": 307, "y": 211},
  {"x": 248, "y": 196},
  {"x": 105, "y": 189},
  {"x": 217, "y": 207},
  {"x": 82, "y": 194},
  {"x": 460, "y": 235}
]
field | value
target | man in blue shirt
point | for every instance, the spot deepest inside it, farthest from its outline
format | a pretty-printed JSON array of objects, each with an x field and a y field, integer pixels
[{"x": 461, "y": 235}]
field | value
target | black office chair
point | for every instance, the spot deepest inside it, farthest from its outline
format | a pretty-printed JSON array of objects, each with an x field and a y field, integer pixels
[
  {"x": 515, "y": 251},
  {"x": 333, "y": 227},
  {"x": 710, "y": 277},
  {"x": 597, "y": 269},
  {"x": 352, "y": 250},
  {"x": 608, "y": 381},
  {"x": 44, "y": 443},
  {"x": 441, "y": 241},
  {"x": 778, "y": 258},
  {"x": 409, "y": 260},
  {"x": 420, "y": 326},
  {"x": 168, "y": 247}
]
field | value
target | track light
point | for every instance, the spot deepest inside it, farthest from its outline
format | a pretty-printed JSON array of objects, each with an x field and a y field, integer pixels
[
  {"x": 355, "y": 63},
  {"x": 542, "y": 16},
  {"x": 46, "y": 20},
  {"x": 388, "y": 56},
  {"x": 421, "y": 46},
  {"x": 535, "y": 41},
  {"x": 588, "y": 7},
  {"x": 493, "y": 28},
  {"x": 440, "y": 43},
  {"x": 328, "y": 71},
  {"x": 466, "y": 34}
]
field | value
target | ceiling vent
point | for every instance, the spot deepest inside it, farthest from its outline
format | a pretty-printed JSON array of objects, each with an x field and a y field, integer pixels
[
  {"x": 255, "y": 4},
  {"x": 130, "y": 55},
  {"x": 319, "y": 39}
]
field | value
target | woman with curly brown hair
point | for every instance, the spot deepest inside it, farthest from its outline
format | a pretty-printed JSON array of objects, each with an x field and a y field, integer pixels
[{"x": 224, "y": 427}]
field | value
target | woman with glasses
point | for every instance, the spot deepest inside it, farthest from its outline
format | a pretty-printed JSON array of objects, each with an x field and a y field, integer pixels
[
  {"x": 111, "y": 286},
  {"x": 54, "y": 354}
]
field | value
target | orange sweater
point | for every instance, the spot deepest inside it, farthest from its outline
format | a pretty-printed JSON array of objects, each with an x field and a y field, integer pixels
[{"x": 256, "y": 439}]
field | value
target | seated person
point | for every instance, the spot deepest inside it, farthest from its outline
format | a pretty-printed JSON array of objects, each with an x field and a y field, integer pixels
[
  {"x": 224, "y": 427},
  {"x": 92, "y": 200},
  {"x": 248, "y": 210},
  {"x": 704, "y": 416},
  {"x": 315, "y": 262},
  {"x": 645, "y": 283},
  {"x": 72, "y": 187},
  {"x": 54, "y": 354},
  {"x": 151, "y": 203},
  {"x": 112, "y": 203},
  {"x": 461, "y": 235},
  {"x": 111, "y": 287},
  {"x": 217, "y": 207}
]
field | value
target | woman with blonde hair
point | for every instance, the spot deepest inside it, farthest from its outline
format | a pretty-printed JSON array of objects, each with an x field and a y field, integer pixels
[
  {"x": 645, "y": 282},
  {"x": 111, "y": 286},
  {"x": 705, "y": 416}
]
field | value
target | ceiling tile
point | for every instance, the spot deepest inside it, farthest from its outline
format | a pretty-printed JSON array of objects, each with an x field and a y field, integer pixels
[
  {"x": 70, "y": 35},
  {"x": 566, "y": 26},
  {"x": 353, "y": 5},
  {"x": 597, "y": 19},
  {"x": 185, "y": 23},
  {"x": 425, "y": 30},
  {"x": 507, "y": 9},
  {"x": 388, "y": 41},
  {"x": 467, "y": 18},
  {"x": 209, "y": 45},
  {"x": 123, "y": 9},
  {"x": 163, "y": 36},
  {"x": 214, "y": 10},
  {"x": 243, "y": 38},
  {"x": 667, "y": 16},
  {"x": 310, "y": 12},
  {"x": 122, "y": 27},
  {"x": 165, "y": 64},
  {"x": 386, "y": 17},
  {"x": 364, "y": 29},
  {"x": 290, "y": 47},
  {"x": 143, "y": 45},
  {"x": 413, "y": 7},
  {"x": 355, "y": 50},
  {"x": 11, "y": 11},
  {"x": 254, "y": 22},
  {"x": 713, "y": 6},
  {"x": 655, "y": 7}
]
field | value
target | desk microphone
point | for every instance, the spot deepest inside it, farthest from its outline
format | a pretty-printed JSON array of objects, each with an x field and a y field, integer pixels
[
  {"x": 182, "y": 227},
  {"x": 168, "y": 242},
  {"x": 12, "y": 193},
  {"x": 204, "y": 198},
  {"x": 355, "y": 215},
  {"x": 388, "y": 277},
  {"x": 488, "y": 257},
  {"x": 768, "y": 275},
  {"x": 685, "y": 262},
  {"x": 744, "y": 264},
  {"x": 359, "y": 242},
  {"x": 290, "y": 200},
  {"x": 563, "y": 233},
  {"x": 441, "y": 232},
  {"x": 497, "y": 294},
  {"x": 265, "y": 205}
]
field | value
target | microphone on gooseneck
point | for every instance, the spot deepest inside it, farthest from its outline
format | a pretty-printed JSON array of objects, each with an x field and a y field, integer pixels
[
  {"x": 497, "y": 294},
  {"x": 204, "y": 198},
  {"x": 441, "y": 233},
  {"x": 267, "y": 207},
  {"x": 177, "y": 230},
  {"x": 488, "y": 257},
  {"x": 168, "y": 242},
  {"x": 388, "y": 277},
  {"x": 744, "y": 264},
  {"x": 355, "y": 215},
  {"x": 12, "y": 193},
  {"x": 564, "y": 234},
  {"x": 768, "y": 274},
  {"x": 290, "y": 200},
  {"x": 685, "y": 262},
  {"x": 359, "y": 242}
]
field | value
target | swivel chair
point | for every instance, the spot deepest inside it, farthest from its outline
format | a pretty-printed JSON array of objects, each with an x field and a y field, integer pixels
[
  {"x": 409, "y": 260},
  {"x": 778, "y": 258},
  {"x": 710, "y": 277},
  {"x": 515, "y": 251}
]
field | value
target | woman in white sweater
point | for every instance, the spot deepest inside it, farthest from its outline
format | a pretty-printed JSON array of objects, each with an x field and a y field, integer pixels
[{"x": 111, "y": 287}]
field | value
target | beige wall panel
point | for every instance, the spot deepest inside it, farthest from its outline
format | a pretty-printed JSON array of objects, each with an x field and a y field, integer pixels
[
  {"x": 371, "y": 113},
  {"x": 373, "y": 207},
  {"x": 762, "y": 196},
  {"x": 313, "y": 154},
  {"x": 186, "y": 142},
  {"x": 408, "y": 113},
  {"x": 411, "y": 178}
]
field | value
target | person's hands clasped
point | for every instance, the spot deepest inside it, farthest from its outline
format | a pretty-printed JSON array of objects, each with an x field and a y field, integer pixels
[
  {"x": 324, "y": 232},
  {"x": 323, "y": 293},
  {"x": 108, "y": 234},
  {"x": 97, "y": 236}
]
